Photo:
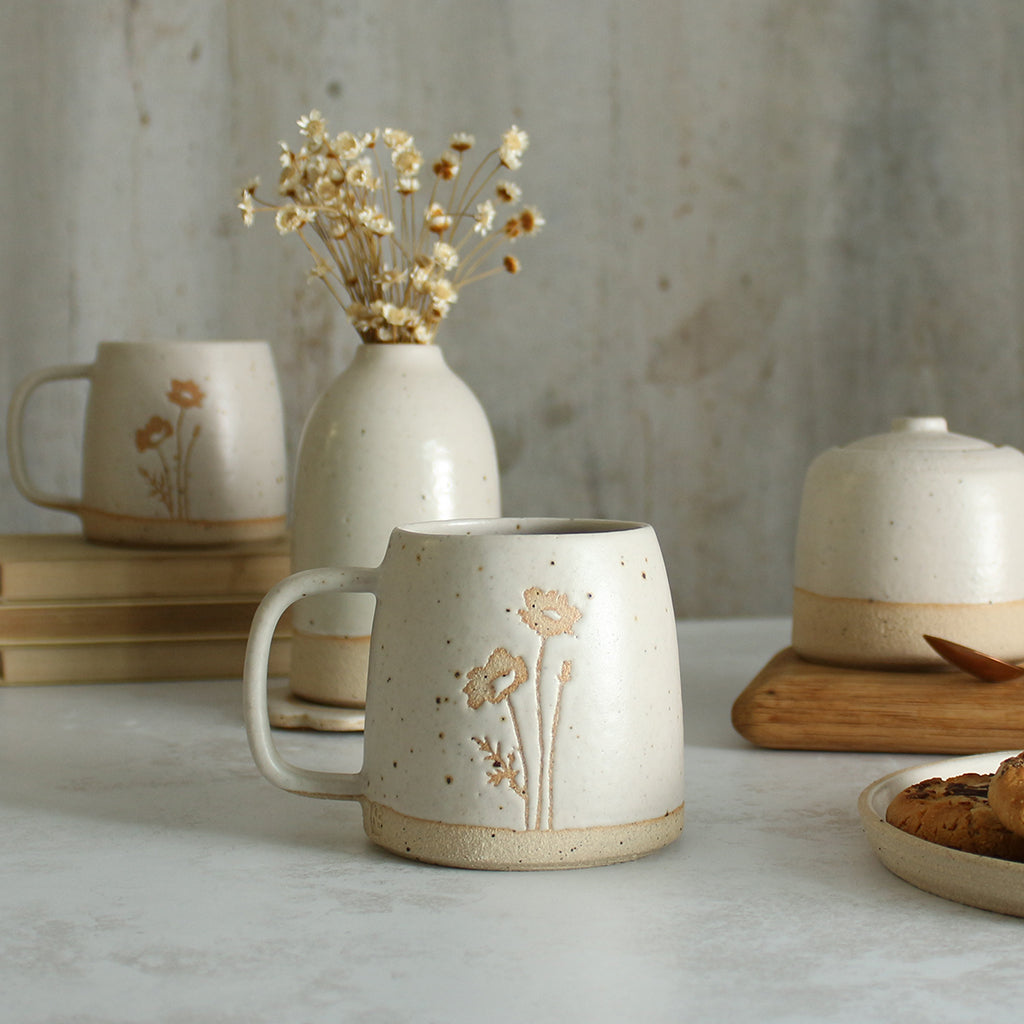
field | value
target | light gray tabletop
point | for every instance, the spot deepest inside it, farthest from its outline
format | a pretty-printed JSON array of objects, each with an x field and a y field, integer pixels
[{"x": 148, "y": 873}]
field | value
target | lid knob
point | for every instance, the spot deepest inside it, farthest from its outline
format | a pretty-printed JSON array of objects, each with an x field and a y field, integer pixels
[{"x": 920, "y": 423}]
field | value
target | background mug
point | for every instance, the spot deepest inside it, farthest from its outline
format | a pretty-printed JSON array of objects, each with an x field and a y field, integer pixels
[
  {"x": 184, "y": 443},
  {"x": 523, "y": 704}
]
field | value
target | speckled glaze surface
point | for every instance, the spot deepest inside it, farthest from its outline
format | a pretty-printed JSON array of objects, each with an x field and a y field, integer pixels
[
  {"x": 915, "y": 531},
  {"x": 184, "y": 443},
  {"x": 397, "y": 438},
  {"x": 523, "y": 707}
]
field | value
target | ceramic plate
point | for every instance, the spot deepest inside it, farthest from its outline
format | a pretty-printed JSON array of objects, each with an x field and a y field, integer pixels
[{"x": 984, "y": 882}]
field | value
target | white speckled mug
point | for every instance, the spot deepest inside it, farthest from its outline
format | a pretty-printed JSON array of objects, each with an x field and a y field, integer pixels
[
  {"x": 523, "y": 706},
  {"x": 184, "y": 443},
  {"x": 911, "y": 532}
]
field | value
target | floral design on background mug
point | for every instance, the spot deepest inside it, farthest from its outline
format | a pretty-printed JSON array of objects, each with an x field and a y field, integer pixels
[
  {"x": 169, "y": 480},
  {"x": 523, "y": 704},
  {"x": 184, "y": 443}
]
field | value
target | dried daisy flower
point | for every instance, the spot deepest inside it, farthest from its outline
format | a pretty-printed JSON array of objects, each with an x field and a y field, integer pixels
[
  {"x": 513, "y": 143},
  {"x": 437, "y": 220},
  {"x": 484, "y": 217},
  {"x": 530, "y": 220},
  {"x": 247, "y": 207},
  {"x": 508, "y": 191},
  {"x": 396, "y": 269},
  {"x": 447, "y": 166},
  {"x": 446, "y": 256}
]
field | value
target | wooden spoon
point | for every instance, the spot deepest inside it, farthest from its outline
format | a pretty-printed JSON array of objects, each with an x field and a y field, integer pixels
[{"x": 982, "y": 666}]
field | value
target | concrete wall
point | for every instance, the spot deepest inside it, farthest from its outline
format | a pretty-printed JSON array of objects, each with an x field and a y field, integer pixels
[{"x": 772, "y": 225}]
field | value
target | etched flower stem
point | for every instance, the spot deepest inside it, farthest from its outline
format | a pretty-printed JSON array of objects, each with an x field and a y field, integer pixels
[
  {"x": 186, "y": 512},
  {"x": 178, "y": 465},
  {"x": 522, "y": 760},
  {"x": 166, "y": 493},
  {"x": 563, "y": 677},
  {"x": 541, "y": 780}
]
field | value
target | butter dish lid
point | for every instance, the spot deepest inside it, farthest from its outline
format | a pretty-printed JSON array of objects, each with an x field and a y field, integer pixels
[{"x": 919, "y": 433}]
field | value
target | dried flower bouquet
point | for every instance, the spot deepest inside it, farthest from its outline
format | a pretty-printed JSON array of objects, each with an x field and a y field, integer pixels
[{"x": 401, "y": 268}]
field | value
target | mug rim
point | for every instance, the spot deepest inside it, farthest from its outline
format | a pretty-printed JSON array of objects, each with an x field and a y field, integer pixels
[{"x": 521, "y": 526}]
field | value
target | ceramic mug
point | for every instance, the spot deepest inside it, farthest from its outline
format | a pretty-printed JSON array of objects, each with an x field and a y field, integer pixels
[
  {"x": 184, "y": 443},
  {"x": 523, "y": 704}
]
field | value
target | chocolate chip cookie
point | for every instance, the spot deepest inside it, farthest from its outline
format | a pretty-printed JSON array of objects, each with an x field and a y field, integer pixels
[{"x": 956, "y": 813}]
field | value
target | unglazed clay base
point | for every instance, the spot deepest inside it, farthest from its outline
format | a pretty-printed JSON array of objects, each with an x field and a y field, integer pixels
[
  {"x": 108, "y": 528},
  {"x": 968, "y": 878},
  {"x": 330, "y": 669},
  {"x": 503, "y": 849},
  {"x": 287, "y": 711},
  {"x": 881, "y": 634}
]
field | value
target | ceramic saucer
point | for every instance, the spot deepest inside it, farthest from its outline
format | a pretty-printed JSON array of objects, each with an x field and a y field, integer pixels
[
  {"x": 290, "y": 712},
  {"x": 985, "y": 882}
]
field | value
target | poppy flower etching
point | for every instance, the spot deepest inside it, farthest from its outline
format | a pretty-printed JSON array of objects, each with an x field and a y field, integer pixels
[
  {"x": 499, "y": 665},
  {"x": 186, "y": 393},
  {"x": 173, "y": 445},
  {"x": 501, "y": 678},
  {"x": 548, "y": 613},
  {"x": 153, "y": 434}
]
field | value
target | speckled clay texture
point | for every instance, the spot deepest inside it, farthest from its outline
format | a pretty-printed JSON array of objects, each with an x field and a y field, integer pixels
[
  {"x": 886, "y": 634},
  {"x": 483, "y": 847}
]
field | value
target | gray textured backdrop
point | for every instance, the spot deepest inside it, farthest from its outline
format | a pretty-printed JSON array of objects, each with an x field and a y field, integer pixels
[{"x": 772, "y": 226}]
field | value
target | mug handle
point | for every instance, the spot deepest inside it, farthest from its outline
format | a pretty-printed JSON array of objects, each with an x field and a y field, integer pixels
[
  {"x": 15, "y": 422},
  {"x": 329, "y": 785}
]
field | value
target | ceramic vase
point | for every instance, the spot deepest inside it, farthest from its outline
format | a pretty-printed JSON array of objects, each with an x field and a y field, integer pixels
[{"x": 398, "y": 437}]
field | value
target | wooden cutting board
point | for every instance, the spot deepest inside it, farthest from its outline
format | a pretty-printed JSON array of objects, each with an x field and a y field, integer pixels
[{"x": 793, "y": 704}]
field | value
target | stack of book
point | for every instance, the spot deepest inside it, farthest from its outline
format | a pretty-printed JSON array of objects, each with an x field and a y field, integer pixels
[{"x": 76, "y": 612}]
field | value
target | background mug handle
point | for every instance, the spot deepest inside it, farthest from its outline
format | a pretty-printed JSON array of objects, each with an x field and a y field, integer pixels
[
  {"x": 15, "y": 448},
  {"x": 330, "y": 785}
]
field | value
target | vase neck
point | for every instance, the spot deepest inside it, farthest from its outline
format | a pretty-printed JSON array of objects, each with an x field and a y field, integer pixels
[{"x": 398, "y": 354}]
